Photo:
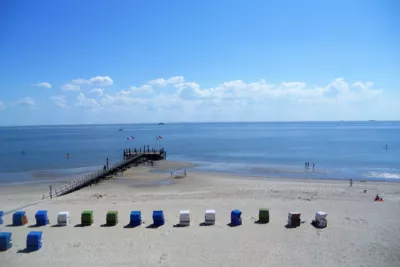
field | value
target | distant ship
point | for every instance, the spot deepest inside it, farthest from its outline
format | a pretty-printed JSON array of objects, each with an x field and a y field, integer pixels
[
  {"x": 161, "y": 123},
  {"x": 120, "y": 130}
]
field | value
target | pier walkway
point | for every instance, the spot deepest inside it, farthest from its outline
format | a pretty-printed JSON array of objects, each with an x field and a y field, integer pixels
[{"x": 131, "y": 158}]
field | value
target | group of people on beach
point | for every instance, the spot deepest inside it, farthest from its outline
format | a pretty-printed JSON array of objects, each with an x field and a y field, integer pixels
[{"x": 307, "y": 165}]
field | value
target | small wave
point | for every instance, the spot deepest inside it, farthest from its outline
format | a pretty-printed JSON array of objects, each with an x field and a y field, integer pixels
[{"x": 384, "y": 175}]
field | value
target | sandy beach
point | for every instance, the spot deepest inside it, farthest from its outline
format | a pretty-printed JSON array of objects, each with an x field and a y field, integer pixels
[{"x": 360, "y": 232}]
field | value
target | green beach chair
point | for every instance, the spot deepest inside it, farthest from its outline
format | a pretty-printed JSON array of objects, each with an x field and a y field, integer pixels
[
  {"x": 263, "y": 216},
  {"x": 112, "y": 218},
  {"x": 87, "y": 218}
]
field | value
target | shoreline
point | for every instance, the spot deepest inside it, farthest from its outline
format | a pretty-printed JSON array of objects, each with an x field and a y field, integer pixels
[{"x": 66, "y": 175}]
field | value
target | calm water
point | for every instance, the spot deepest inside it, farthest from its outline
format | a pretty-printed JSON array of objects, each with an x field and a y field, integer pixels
[{"x": 341, "y": 150}]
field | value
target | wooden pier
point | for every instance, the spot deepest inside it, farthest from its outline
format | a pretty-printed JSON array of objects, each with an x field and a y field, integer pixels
[{"x": 131, "y": 158}]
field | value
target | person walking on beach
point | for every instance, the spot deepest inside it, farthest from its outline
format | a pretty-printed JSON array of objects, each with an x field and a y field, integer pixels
[
  {"x": 351, "y": 182},
  {"x": 313, "y": 166}
]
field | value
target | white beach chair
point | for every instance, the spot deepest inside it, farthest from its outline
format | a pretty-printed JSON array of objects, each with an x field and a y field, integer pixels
[
  {"x": 184, "y": 218},
  {"x": 63, "y": 218},
  {"x": 210, "y": 217},
  {"x": 320, "y": 219}
]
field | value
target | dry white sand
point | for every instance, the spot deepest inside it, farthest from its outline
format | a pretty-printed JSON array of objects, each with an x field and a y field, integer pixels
[{"x": 360, "y": 232}]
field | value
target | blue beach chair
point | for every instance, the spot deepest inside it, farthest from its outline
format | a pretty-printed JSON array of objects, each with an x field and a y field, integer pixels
[
  {"x": 5, "y": 241},
  {"x": 236, "y": 217},
  {"x": 135, "y": 218},
  {"x": 158, "y": 218},
  {"x": 34, "y": 241},
  {"x": 41, "y": 218}
]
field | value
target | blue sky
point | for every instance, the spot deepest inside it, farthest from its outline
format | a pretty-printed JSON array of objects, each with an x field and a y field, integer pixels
[{"x": 74, "y": 62}]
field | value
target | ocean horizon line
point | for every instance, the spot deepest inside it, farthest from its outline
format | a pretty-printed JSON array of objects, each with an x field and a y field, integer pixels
[{"x": 194, "y": 122}]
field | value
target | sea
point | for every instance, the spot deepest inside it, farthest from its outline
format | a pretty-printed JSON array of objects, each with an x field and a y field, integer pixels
[{"x": 368, "y": 150}]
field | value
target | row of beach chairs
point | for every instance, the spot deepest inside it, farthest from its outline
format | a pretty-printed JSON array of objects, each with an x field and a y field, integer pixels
[
  {"x": 87, "y": 218},
  {"x": 34, "y": 239}
]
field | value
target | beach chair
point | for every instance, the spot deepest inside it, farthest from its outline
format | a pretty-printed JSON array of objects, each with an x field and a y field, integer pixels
[
  {"x": 158, "y": 218},
  {"x": 34, "y": 241},
  {"x": 63, "y": 218},
  {"x": 236, "y": 217},
  {"x": 294, "y": 219},
  {"x": 320, "y": 219},
  {"x": 263, "y": 215},
  {"x": 209, "y": 218},
  {"x": 5, "y": 241},
  {"x": 87, "y": 218},
  {"x": 1, "y": 217},
  {"x": 184, "y": 218},
  {"x": 19, "y": 218},
  {"x": 41, "y": 218},
  {"x": 135, "y": 218},
  {"x": 112, "y": 218}
]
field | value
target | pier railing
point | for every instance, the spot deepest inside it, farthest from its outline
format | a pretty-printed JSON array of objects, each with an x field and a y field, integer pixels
[{"x": 131, "y": 158}]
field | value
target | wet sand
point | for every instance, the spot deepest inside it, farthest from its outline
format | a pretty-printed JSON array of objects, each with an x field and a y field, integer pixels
[{"x": 360, "y": 232}]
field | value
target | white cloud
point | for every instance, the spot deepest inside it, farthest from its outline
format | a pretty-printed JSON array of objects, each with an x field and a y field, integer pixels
[
  {"x": 125, "y": 92},
  {"x": 2, "y": 106},
  {"x": 142, "y": 89},
  {"x": 97, "y": 91},
  {"x": 95, "y": 81},
  {"x": 121, "y": 100},
  {"x": 26, "y": 101},
  {"x": 43, "y": 85},
  {"x": 60, "y": 101},
  {"x": 70, "y": 87},
  {"x": 261, "y": 91},
  {"x": 160, "y": 82},
  {"x": 83, "y": 101}
]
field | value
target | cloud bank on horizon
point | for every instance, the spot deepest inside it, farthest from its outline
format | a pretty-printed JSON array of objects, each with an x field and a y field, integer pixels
[{"x": 175, "y": 99}]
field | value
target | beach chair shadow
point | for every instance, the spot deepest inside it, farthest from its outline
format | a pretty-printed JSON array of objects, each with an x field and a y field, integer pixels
[
  {"x": 35, "y": 226},
  {"x": 26, "y": 250},
  {"x": 107, "y": 225},
  {"x": 260, "y": 222},
  {"x": 130, "y": 226},
  {"x": 178, "y": 225},
  {"x": 314, "y": 223},
  {"x": 153, "y": 226},
  {"x": 233, "y": 225},
  {"x": 57, "y": 225},
  {"x": 205, "y": 224}
]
